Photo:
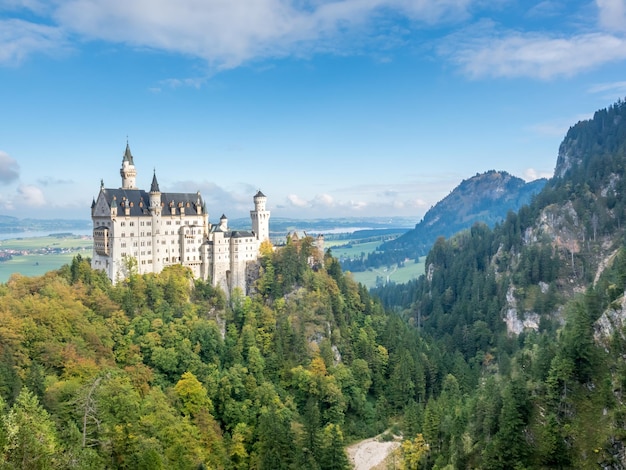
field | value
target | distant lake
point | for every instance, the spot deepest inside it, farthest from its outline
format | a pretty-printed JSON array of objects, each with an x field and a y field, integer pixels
[{"x": 44, "y": 233}]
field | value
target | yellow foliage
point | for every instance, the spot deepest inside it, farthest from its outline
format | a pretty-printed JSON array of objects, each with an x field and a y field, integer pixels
[
  {"x": 266, "y": 248},
  {"x": 413, "y": 451}
]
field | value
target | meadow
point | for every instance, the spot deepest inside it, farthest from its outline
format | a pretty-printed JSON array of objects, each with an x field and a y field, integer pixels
[
  {"x": 354, "y": 248},
  {"x": 41, "y": 254}
]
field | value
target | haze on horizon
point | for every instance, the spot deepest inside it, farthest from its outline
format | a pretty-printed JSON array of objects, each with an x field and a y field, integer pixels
[{"x": 331, "y": 108}]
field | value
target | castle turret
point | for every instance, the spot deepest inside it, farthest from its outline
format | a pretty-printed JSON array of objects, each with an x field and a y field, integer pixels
[
  {"x": 155, "y": 212},
  {"x": 128, "y": 171},
  {"x": 223, "y": 223},
  {"x": 260, "y": 217},
  {"x": 155, "y": 195}
]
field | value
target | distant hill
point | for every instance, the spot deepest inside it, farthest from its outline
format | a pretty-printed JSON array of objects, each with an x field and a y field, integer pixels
[
  {"x": 9, "y": 224},
  {"x": 486, "y": 197},
  {"x": 281, "y": 226}
]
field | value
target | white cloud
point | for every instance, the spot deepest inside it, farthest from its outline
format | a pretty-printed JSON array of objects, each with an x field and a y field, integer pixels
[
  {"x": 225, "y": 33},
  {"x": 537, "y": 55},
  {"x": 612, "y": 14},
  {"x": 531, "y": 174},
  {"x": 297, "y": 201},
  {"x": 610, "y": 91},
  {"x": 19, "y": 39},
  {"x": 325, "y": 200},
  {"x": 30, "y": 196},
  {"x": 9, "y": 169}
]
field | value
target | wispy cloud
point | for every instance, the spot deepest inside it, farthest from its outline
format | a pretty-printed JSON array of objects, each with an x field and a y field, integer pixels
[
  {"x": 54, "y": 182},
  {"x": 224, "y": 33},
  {"x": 612, "y": 14},
  {"x": 30, "y": 196},
  {"x": 9, "y": 169},
  {"x": 19, "y": 39},
  {"x": 559, "y": 127},
  {"x": 610, "y": 91},
  {"x": 512, "y": 54}
]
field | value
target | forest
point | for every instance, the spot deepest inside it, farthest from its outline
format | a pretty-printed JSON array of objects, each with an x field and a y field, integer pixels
[
  {"x": 164, "y": 371},
  {"x": 161, "y": 371}
]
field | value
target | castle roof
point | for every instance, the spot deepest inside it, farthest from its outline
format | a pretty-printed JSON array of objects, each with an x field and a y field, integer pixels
[
  {"x": 138, "y": 201},
  {"x": 259, "y": 194},
  {"x": 128, "y": 157},
  {"x": 154, "y": 187}
]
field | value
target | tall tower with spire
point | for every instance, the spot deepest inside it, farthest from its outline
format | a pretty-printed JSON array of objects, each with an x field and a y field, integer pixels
[
  {"x": 128, "y": 171},
  {"x": 260, "y": 217}
]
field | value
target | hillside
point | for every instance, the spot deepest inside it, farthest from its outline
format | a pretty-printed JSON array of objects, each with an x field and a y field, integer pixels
[
  {"x": 532, "y": 313},
  {"x": 486, "y": 197},
  {"x": 510, "y": 352}
]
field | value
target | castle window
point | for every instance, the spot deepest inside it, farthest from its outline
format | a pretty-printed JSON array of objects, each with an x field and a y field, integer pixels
[
  {"x": 122, "y": 224},
  {"x": 123, "y": 234},
  {"x": 132, "y": 224}
]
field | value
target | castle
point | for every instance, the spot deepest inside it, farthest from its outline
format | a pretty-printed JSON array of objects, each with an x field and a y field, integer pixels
[{"x": 139, "y": 231}]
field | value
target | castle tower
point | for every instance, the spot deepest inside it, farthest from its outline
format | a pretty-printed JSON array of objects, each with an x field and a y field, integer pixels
[
  {"x": 155, "y": 212},
  {"x": 260, "y": 217},
  {"x": 155, "y": 196},
  {"x": 128, "y": 172}
]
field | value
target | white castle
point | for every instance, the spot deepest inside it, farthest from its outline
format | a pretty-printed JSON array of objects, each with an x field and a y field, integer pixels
[{"x": 147, "y": 231}]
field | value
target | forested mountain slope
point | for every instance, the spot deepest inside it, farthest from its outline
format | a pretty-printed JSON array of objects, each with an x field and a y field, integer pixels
[
  {"x": 161, "y": 372},
  {"x": 536, "y": 308},
  {"x": 509, "y": 353}
]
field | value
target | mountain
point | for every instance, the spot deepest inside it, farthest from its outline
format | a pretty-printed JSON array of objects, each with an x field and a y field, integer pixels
[
  {"x": 532, "y": 318},
  {"x": 509, "y": 353},
  {"x": 486, "y": 197}
]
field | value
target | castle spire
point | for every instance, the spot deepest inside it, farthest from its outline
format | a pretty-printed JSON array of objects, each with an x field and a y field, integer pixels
[
  {"x": 154, "y": 187},
  {"x": 128, "y": 156}
]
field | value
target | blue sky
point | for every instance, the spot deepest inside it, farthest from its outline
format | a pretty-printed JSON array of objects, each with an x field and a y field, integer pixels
[{"x": 331, "y": 108}]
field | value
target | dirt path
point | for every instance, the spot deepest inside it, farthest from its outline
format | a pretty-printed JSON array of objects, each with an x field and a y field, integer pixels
[{"x": 367, "y": 454}]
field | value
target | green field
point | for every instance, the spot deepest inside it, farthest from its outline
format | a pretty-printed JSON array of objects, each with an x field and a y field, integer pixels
[
  {"x": 339, "y": 248},
  {"x": 410, "y": 270},
  {"x": 36, "y": 264},
  {"x": 354, "y": 248}
]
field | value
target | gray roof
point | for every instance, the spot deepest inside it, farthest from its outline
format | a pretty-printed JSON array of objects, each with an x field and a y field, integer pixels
[
  {"x": 139, "y": 201},
  {"x": 154, "y": 187},
  {"x": 128, "y": 157},
  {"x": 232, "y": 233}
]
